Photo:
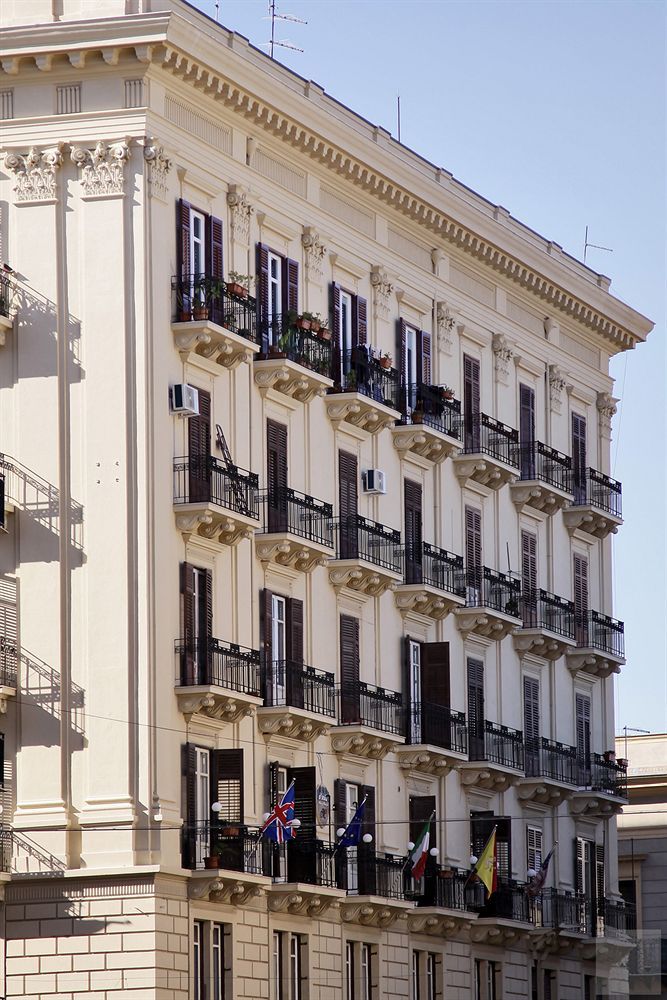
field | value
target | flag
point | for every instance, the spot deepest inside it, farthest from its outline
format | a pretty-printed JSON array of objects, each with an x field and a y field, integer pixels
[
  {"x": 278, "y": 824},
  {"x": 536, "y": 884},
  {"x": 351, "y": 836},
  {"x": 419, "y": 853},
  {"x": 486, "y": 868}
]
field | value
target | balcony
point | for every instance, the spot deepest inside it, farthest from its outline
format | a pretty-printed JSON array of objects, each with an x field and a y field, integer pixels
[
  {"x": 430, "y": 426},
  {"x": 602, "y": 790},
  {"x": 444, "y": 903},
  {"x": 228, "y": 863},
  {"x": 495, "y": 757},
  {"x": 6, "y": 854},
  {"x": 370, "y": 721},
  {"x": 294, "y": 362},
  {"x": 378, "y": 883},
  {"x": 218, "y": 501},
  {"x": 8, "y": 671},
  {"x": 562, "y": 921},
  {"x": 366, "y": 394},
  {"x": 503, "y": 917},
  {"x": 299, "y": 701},
  {"x": 546, "y": 479},
  {"x": 433, "y": 584},
  {"x": 304, "y": 877},
  {"x": 548, "y": 625},
  {"x": 6, "y": 321},
  {"x": 600, "y": 649},
  {"x": 551, "y": 772},
  {"x": 369, "y": 557},
  {"x": 489, "y": 455},
  {"x": 297, "y": 530},
  {"x": 436, "y": 739},
  {"x": 493, "y": 604},
  {"x": 210, "y": 322},
  {"x": 220, "y": 680},
  {"x": 596, "y": 508}
]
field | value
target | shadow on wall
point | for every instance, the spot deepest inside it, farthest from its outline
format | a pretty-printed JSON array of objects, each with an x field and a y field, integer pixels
[
  {"x": 41, "y": 693},
  {"x": 39, "y": 500}
]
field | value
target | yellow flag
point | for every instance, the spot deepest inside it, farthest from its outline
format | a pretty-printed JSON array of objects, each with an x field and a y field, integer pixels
[{"x": 486, "y": 868}]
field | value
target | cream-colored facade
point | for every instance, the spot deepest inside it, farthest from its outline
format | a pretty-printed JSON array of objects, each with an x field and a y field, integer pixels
[{"x": 179, "y": 635}]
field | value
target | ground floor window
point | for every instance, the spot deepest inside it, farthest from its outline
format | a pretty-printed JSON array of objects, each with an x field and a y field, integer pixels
[
  {"x": 487, "y": 980},
  {"x": 424, "y": 975},
  {"x": 289, "y": 965},
  {"x": 359, "y": 979},
  {"x": 211, "y": 960}
]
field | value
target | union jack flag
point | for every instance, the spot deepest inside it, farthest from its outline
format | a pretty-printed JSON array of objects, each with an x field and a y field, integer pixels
[{"x": 278, "y": 825}]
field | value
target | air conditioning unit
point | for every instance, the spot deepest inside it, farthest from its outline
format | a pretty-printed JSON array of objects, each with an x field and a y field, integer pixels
[
  {"x": 375, "y": 481},
  {"x": 185, "y": 400}
]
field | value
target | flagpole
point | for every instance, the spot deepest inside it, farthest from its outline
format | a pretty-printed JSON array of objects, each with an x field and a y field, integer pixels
[
  {"x": 342, "y": 836},
  {"x": 428, "y": 823}
]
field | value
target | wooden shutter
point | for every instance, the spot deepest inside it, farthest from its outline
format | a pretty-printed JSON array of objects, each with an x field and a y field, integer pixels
[
  {"x": 583, "y": 734},
  {"x": 347, "y": 504},
  {"x": 580, "y": 573},
  {"x": 533, "y": 847},
  {"x": 473, "y": 552},
  {"x": 266, "y": 637},
  {"x": 366, "y": 852},
  {"x": 340, "y": 822},
  {"x": 349, "y": 669},
  {"x": 227, "y": 786},
  {"x": 579, "y": 456},
  {"x": 475, "y": 678},
  {"x": 401, "y": 364},
  {"x": 406, "y": 641},
  {"x": 482, "y": 824},
  {"x": 183, "y": 262},
  {"x": 420, "y": 811},
  {"x": 531, "y": 724},
  {"x": 412, "y": 493},
  {"x": 276, "y": 475},
  {"x": 579, "y": 865},
  {"x": 600, "y": 879},
  {"x": 214, "y": 259},
  {"x": 336, "y": 346},
  {"x": 262, "y": 281},
  {"x": 199, "y": 451},
  {"x": 301, "y": 858},
  {"x": 207, "y": 614},
  {"x": 435, "y": 692},
  {"x": 359, "y": 320},
  {"x": 425, "y": 354},
  {"x": 2, "y": 760},
  {"x": 529, "y": 578},
  {"x": 188, "y": 655},
  {"x": 294, "y": 678},
  {"x": 471, "y": 402},
  {"x": 290, "y": 286},
  {"x": 2, "y": 501},
  {"x": 188, "y": 771}
]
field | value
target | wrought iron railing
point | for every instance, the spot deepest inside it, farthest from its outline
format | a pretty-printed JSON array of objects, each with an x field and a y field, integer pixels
[
  {"x": 359, "y": 538},
  {"x": 237, "y": 847},
  {"x": 297, "y": 685},
  {"x": 608, "y": 775},
  {"x": 482, "y": 435},
  {"x": 436, "y": 568},
  {"x": 376, "y": 875},
  {"x": 286, "y": 510},
  {"x": 446, "y": 887},
  {"x": 305, "y": 860},
  {"x": 620, "y": 918},
  {"x": 2, "y": 500},
  {"x": 427, "y": 404},
  {"x": 6, "y": 849},
  {"x": 199, "y": 297},
  {"x": 438, "y": 726},
  {"x": 364, "y": 372},
  {"x": 549, "y": 759},
  {"x": 279, "y": 336},
  {"x": 362, "y": 704},
  {"x": 222, "y": 664},
  {"x": 594, "y": 488},
  {"x": 538, "y": 461},
  {"x": 543, "y": 610},
  {"x": 510, "y": 901},
  {"x": 496, "y": 744},
  {"x": 207, "y": 480},
  {"x": 486, "y": 588},
  {"x": 9, "y": 657},
  {"x": 5, "y": 295},
  {"x": 594, "y": 630},
  {"x": 562, "y": 910}
]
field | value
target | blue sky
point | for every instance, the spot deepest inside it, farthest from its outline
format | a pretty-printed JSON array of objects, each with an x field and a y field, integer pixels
[{"x": 557, "y": 112}]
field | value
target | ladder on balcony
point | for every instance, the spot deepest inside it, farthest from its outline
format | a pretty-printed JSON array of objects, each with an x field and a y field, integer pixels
[{"x": 235, "y": 486}]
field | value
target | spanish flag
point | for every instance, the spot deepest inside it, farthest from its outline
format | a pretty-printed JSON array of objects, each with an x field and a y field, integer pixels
[{"x": 486, "y": 868}]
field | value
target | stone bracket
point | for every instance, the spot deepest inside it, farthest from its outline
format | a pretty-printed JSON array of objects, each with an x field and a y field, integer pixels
[
  {"x": 425, "y": 441},
  {"x": 287, "y": 551},
  {"x": 289, "y": 378},
  {"x": 294, "y": 723},
  {"x": 215, "y": 703},
  {"x": 483, "y": 621},
  {"x": 591, "y": 520},
  {"x": 221, "y": 888},
  {"x": 538, "y": 496},
  {"x": 363, "y": 742},
  {"x": 424, "y": 600},
  {"x": 360, "y": 411},
  {"x": 226, "y": 527},
  {"x": 214, "y": 342},
  {"x": 362, "y": 578},
  {"x": 484, "y": 470},
  {"x": 374, "y": 912}
]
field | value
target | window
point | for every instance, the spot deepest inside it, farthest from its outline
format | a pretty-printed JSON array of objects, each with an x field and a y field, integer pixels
[
  {"x": 358, "y": 971},
  {"x": 278, "y": 618},
  {"x": 414, "y": 361},
  {"x": 199, "y": 257},
  {"x": 275, "y": 298},
  {"x": 276, "y": 475},
  {"x": 277, "y": 293},
  {"x": 287, "y": 965},
  {"x": 421, "y": 810},
  {"x": 350, "y": 331},
  {"x": 475, "y": 671},
  {"x": 527, "y": 431},
  {"x": 197, "y": 623},
  {"x": 355, "y": 869},
  {"x": 412, "y": 503},
  {"x": 68, "y": 99},
  {"x": 579, "y": 457},
  {"x": 198, "y": 978},
  {"x": 210, "y": 777},
  {"x": 583, "y": 738},
  {"x": 481, "y": 827},
  {"x": 471, "y": 403},
  {"x": 423, "y": 975},
  {"x": 426, "y": 694},
  {"x": 350, "y": 707},
  {"x": 218, "y": 964},
  {"x": 348, "y": 474},
  {"x": 531, "y": 725},
  {"x": 487, "y": 974},
  {"x": 351, "y": 803},
  {"x": 414, "y": 690},
  {"x": 533, "y": 848},
  {"x": 473, "y": 555},
  {"x": 202, "y": 802},
  {"x": 134, "y": 93},
  {"x": 6, "y": 104},
  {"x": 549, "y": 989},
  {"x": 529, "y": 590}
]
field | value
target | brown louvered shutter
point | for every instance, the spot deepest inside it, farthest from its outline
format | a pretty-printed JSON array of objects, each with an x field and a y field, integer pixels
[
  {"x": 340, "y": 822},
  {"x": 294, "y": 677},
  {"x": 529, "y": 578},
  {"x": 580, "y": 573},
  {"x": 402, "y": 364},
  {"x": 435, "y": 675},
  {"x": 347, "y": 504},
  {"x": 262, "y": 284},
  {"x": 579, "y": 457},
  {"x": 207, "y": 637},
  {"x": 481, "y": 828},
  {"x": 266, "y": 638},
  {"x": 366, "y": 852},
  {"x": 199, "y": 451},
  {"x": 579, "y": 865},
  {"x": 349, "y": 669},
  {"x": 290, "y": 285},
  {"x": 214, "y": 253},
  {"x": 583, "y": 737},
  {"x": 183, "y": 262},
  {"x": 188, "y": 771},
  {"x": 336, "y": 346},
  {"x": 360, "y": 320},
  {"x": 425, "y": 352},
  {"x": 473, "y": 567},
  {"x": 227, "y": 786},
  {"x": 475, "y": 678},
  {"x": 412, "y": 495},
  {"x": 2, "y": 501},
  {"x": 471, "y": 402},
  {"x": 276, "y": 475},
  {"x": 600, "y": 879},
  {"x": 188, "y": 654},
  {"x": 531, "y": 724},
  {"x": 2, "y": 760},
  {"x": 301, "y": 860}
]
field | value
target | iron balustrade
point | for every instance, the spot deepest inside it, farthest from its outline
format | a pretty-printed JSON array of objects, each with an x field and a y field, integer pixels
[
  {"x": 485, "y": 436},
  {"x": 426, "y": 404},
  {"x": 200, "y": 297},
  {"x": 510, "y": 901},
  {"x": 237, "y": 847},
  {"x": 207, "y": 480},
  {"x": 286, "y": 510},
  {"x": 537, "y": 461},
  {"x": 496, "y": 744},
  {"x": 304, "y": 860},
  {"x": 437, "y": 568},
  {"x": 5, "y": 295},
  {"x": 8, "y": 662},
  {"x": 362, "y": 704},
  {"x": 221, "y": 664},
  {"x": 296, "y": 685},
  {"x": 359, "y": 538},
  {"x": 562, "y": 910},
  {"x": 449, "y": 888},
  {"x": 437, "y": 726},
  {"x": 593, "y": 488},
  {"x": 542, "y": 610},
  {"x": 594, "y": 630},
  {"x": 279, "y": 335},
  {"x": 549, "y": 759},
  {"x": 620, "y": 918},
  {"x": 363, "y": 371},
  {"x": 2, "y": 501},
  {"x": 487, "y": 588},
  {"x": 6, "y": 850},
  {"x": 377, "y": 875},
  {"x": 608, "y": 776}
]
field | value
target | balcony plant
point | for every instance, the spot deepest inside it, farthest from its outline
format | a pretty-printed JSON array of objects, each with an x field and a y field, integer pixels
[
  {"x": 351, "y": 381},
  {"x": 238, "y": 284},
  {"x": 302, "y": 322},
  {"x": 385, "y": 360},
  {"x": 212, "y": 860},
  {"x": 314, "y": 321},
  {"x": 446, "y": 392}
]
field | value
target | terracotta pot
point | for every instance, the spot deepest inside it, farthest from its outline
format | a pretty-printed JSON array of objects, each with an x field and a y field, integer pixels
[
  {"x": 417, "y": 416},
  {"x": 302, "y": 324},
  {"x": 233, "y": 288},
  {"x": 325, "y": 334},
  {"x": 212, "y": 861},
  {"x": 385, "y": 362},
  {"x": 448, "y": 394},
  {"x": 315, "y": 326},
  {"x": 184, "y": 316},
  {"x": 200, "y": 312}
]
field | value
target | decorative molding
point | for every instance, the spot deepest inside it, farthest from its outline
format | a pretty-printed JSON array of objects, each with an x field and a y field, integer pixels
[
  {"x": 419, "y": 598},
  {"x": 305, "y": 901},
  {"x": 35, "y": 173},
  {"x": 286, "y": 551},
  {"x": 557, "y": 385},
  {"x": 503, "y": 354},
  {"x": 359, "y": 410},
  {"x": 374, "y": 912},
  {"x": 382, "y": 291},
  {"x": 215, "y": 703},
  {"x": 425, "y": 441},
  {"x": 606, "y": 407},
  {"x": 102, "y": 168},
  {"x": 363, "y": 578},
  {"x": 224, "y": 889},
  {"x": 241, "y": 211},
  {"x": 293, "y": 723},
  {"x": 159, "y": 166},
  {"x": 363, "y": 742},
  {"x": 315, "y": 249},
  {"x": 290, "y": 379},
  {"x": 446, "y": 324}
]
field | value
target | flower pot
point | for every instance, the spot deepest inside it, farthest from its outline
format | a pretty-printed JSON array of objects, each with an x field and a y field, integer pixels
[
  {"x": 315, "y": 326},
  {"x": 212, "y": 861},
  {"x": 231, "y": 831},
  {"x": 274, "y": 352},
  {"x": 233, "y": 288},
  {"x": 417, "y": 416},
  {"x": 200, "y": 312},
  {"x": 302, "y": 324},
  {"x": 448, "y": 394},
  {"x": 385, "y": 362},
  {"x": 325, "y": 334},
  {"x": 184, "y": 316}
]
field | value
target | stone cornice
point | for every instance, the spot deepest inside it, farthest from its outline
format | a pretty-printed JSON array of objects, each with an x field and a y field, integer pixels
[{"x": 400, "y": 178}]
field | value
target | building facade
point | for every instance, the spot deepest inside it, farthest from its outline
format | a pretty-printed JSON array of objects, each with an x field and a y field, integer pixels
[{"x": 305, "y": 460}]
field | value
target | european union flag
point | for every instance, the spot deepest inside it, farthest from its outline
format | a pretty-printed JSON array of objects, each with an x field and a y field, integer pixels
[{"x": 352, "y": 834}]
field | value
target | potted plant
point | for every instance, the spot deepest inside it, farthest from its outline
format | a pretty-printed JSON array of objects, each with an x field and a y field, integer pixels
[
  {"x": 212, "y": 860},
  {"x": 302, "y": 322},
  {"x": 447, "y": 392},
  {"x": 610, "y": 756},
  {"x": 200, "y": 298},
  {"x": 238, "y": 284},
  {"x": 313, "y": 319},
  {"x": 351, "y": 381},
  {"x": 418, "y": 413},
  {"x": 385, "y": 360}
]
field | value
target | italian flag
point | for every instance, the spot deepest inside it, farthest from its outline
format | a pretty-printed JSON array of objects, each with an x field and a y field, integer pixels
[{"x": 419, "y": 853}]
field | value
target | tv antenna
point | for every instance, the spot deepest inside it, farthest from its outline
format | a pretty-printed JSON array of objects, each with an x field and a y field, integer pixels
[
  {"x": 217, "y": 11},
  {"x": 595, "y": 246},
  {"x": 275, "y": 16},
  {"x": 632, "y": 729},
  {"x": 398, "y": 114}
]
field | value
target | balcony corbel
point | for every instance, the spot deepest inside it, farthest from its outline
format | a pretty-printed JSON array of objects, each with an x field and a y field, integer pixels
[
  {"x": 215, "y": 703},
  {"x": 362, "y": 741},
  {"x": 223, "y": 888},
  {"x": 290, "y": 379},
  {"x": 359, "y": 410},
  {"x": 300, "y": 555},
  {"x": 375, "y": 911},
  {"x": 303, "y": 900},
  {"x": 427, "y": 759},
  {"x": 438, "y": 922},
  {"x": 297, "y": 724}
]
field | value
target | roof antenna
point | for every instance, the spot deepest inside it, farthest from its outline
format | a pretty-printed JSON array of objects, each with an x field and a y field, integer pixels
[
  {"x": 281, "y": 17},
  {"x": 594, "y": 245},
  {"x": 631, "y": 729},
  {"x": 217, "y": 11},
  {"x": 398, "y": 114}
]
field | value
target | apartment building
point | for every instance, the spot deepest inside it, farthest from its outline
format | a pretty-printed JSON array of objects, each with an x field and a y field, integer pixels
[{"x": 306, "y": 480}]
